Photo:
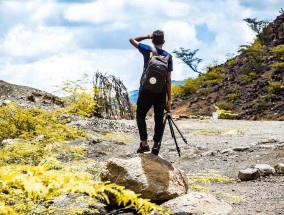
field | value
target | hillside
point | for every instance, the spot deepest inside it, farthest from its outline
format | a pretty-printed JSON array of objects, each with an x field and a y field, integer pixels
[
  {"x": 250, "y": 84},
  {"x": 27, "y": 96}
]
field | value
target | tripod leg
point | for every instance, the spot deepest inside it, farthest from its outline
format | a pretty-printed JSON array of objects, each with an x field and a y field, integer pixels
[
  {"x": 171, "y": 128},
  {"x": 171, "y": 119},
  {"x": 164, "y": 125},
  {"x": 174, "y": 136}
]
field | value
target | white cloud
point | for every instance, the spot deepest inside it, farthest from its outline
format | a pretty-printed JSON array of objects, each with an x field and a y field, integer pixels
[
  {"x": 97, "y": 12},
  {"x": 45, "y": 73},
  {"x": 180, "y": 34},
  {"x": 55, "y": 35},
  {"x": 33, "y": 42}
]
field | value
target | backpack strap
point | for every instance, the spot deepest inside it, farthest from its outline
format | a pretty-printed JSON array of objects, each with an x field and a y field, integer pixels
[
  {"x": 154, "y": 50},
  {"x": 155, "y": 53},
  {"x": 168, "y": 57}
]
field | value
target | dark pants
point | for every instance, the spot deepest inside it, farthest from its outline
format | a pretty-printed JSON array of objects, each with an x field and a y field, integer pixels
[{"x": 146, "y": 100}]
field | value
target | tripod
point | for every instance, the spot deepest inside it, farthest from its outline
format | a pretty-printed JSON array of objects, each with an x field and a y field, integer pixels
[{"x": 171, "y": 122}]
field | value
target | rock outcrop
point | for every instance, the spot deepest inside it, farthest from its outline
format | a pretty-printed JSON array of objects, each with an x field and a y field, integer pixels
[
  {"x": 151, "y": 176},
  {"x": 27, "y": 96}
]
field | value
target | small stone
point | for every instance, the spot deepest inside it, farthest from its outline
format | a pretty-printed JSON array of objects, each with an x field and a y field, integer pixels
[
  {"x": 279, "y": 168},
  {"x": 6, "y": 102},
  {"x": 227, "y": 151},
  {"x": 241, "y": 148},
  {"x": 209, "y": 153},
  {"x": 248, "y": 174},
  {"x": 264, "y": 169},
  {"x": 31, "y": 98},
  {"x": 39, "y": 138},
  {"x": 270, "y": 146},
  {"x": 11, "y": 141}
]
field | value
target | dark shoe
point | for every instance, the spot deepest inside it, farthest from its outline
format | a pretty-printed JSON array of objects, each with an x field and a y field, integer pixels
[
  {"x": 143, "y": 149},
  {"x": 155, "y": 151}
]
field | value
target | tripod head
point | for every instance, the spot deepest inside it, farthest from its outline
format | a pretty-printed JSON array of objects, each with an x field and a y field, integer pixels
[{"x": 167, "y": 112}]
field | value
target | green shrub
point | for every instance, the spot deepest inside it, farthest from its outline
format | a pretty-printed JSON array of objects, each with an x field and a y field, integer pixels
[
  {"x": 214, "y": 75},
  {"x": 278, "y": 65},
  {"x": 177, "y": 90},
  {"x": 232, "y": 96},
  {"x": 274, "y": 87},
  {"x": 34, "y": 172},
  {"x": 223, "y": 111},
  {"x": 190, "y": 86},
  {"x": 79, "y": 98},
  {"x": 247, "y": 78},
  {"x": 232, "y": 62},
  {"x": 261, "y": 102},
  {"x": 278, "y": 51},
  {"x": 224, "y": 105},
  {"x": 203, "y": 91},
  {"x": 16, "y": 122},
  {"x": 256, "y": 55}
]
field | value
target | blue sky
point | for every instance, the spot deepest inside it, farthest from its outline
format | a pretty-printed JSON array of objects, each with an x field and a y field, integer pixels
[{"x": 44, "y": 42}]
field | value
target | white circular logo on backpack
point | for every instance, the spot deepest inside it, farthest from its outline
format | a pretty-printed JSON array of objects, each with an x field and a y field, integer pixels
[{"x": 153, "y": 80}]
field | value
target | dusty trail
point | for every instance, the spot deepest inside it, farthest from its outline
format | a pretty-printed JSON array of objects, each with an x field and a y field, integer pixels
[{"x": 225, "y": 146}]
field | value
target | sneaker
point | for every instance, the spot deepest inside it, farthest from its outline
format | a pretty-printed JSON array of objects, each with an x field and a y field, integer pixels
[
  {"x": 155, "y": 151},
  {"x": 143, "y": 149}
]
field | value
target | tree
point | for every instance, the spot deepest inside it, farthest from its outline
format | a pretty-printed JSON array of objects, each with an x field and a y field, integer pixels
[
  {"x": 188, "y": 57},
  {"x": 257, "y": 26}
]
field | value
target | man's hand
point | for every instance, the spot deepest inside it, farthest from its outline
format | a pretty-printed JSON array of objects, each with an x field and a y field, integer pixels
[
  {"x": 168, "y": 106},
  {"x": 135, "y": 41}
]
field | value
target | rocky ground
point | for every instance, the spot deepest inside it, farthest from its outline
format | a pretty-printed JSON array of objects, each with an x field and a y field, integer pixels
[{"x": 225, "y": 146}]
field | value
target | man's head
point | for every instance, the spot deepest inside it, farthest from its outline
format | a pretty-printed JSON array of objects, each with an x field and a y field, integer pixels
[{"x": 158, "y": 37}]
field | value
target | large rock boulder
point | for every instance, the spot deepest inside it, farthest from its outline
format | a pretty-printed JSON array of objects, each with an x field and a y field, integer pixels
[
  {"x": 198, "y": 204},
  {"x": 151, "y": 176},
  {"x": 248, "y": 174}
]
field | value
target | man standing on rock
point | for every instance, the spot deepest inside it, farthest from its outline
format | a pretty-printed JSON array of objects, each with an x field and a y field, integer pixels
[{"x": 147, "y": 98}]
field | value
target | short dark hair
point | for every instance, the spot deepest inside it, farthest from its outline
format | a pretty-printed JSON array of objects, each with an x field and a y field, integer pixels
[{"x": 158, "y": 37}]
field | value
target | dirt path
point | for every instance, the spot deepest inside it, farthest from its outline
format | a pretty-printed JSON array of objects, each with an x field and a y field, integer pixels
[{"x": 224, "y": 146}]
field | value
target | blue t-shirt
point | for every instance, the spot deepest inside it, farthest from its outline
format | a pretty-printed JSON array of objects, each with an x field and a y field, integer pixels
[{"x": 145, "y": 50}]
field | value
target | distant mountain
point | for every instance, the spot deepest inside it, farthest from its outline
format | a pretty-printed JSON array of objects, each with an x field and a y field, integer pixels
[
  {"x": 133, "y": 95},
  {"x": 250, "y": 84}
]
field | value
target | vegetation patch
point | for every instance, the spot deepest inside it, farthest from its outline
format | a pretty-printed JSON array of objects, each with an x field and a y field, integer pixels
[
  {"x": 274, "y": 87},
  {"x": 117, "y": 137},
  {"x": 207, "y": 132},
  {"x": 278, "y": 51},
  {"x": 229, "y": 198},
  {"x": 247, "y": 78},
  {"x": 261, "y": 102},
  {"x": 41, "y": 166},
  {"x": 225, "y": 114},
  {"x": 16, "y": 122},
  {"x": 232, "y": 96},
  {"x": 200, "y": 181},
  {"x": 278, "y": 65}
]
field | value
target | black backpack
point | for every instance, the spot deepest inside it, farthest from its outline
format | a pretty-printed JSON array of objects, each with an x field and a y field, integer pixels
[{"x": 155, "y": 73}]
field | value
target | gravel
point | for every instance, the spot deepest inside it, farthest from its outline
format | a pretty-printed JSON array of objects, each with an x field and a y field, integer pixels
[{"x": 226, "y": 146}]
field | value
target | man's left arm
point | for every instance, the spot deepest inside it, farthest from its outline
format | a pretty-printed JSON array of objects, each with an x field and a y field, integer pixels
[
  {"x": 169, "y": 90},
  {"x": 135, "y": 41}
]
